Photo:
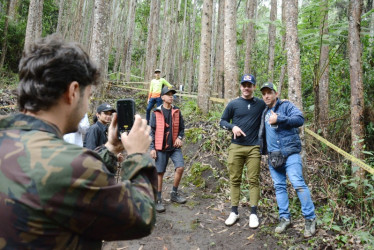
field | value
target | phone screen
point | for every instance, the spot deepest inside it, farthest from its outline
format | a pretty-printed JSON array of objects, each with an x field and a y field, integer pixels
[{"x": 125, "y": 114}]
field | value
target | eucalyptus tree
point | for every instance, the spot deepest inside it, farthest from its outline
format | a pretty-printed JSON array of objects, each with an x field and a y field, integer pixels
[
  {"x": 190, "y": 69},
  {"x": 205, "y": 56},
  {"x": 357, "y": 91},
  {"x": 272, "y": 40},
  {"x": 129, "y": 38},
  {"x": 230, "y": 60},
  {"x": 251, "y": 34},
  {"x": 219, "y": 66},
  {"x": 152, "y": 39},
  {"x": 34, "y": 22}
]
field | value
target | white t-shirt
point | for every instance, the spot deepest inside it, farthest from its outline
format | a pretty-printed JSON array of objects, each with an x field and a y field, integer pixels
[{"x": 77, "y": 137}]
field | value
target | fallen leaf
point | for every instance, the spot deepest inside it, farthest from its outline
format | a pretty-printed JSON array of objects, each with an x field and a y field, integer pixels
[{"x": 250, "y": 237}]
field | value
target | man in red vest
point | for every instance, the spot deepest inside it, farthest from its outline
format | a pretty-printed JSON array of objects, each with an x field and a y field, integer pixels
[{"x": 167, "y": 131}]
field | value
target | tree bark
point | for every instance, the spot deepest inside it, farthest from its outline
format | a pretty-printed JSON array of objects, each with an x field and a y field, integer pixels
[
  {"x": 205, "y": 54},
  {"x": 5, "y": 35},
  {"x": 322, "y": 76},
  {"x": 220, "y": 56},
  {"x": 357, "y": 91},
  {"x": 231, "y": 67},
  {"x": 34, "y": 21},
  {"x": 129, "y": 37},
  {"x": 191, "y": 68},
  {"x": 251, "y": 34},
  {"x": 152, "y": 39},
  {"x": 99, "y": 45},
  {"x": 272, "y": 37},
  {"x": 283, "y": 68}
]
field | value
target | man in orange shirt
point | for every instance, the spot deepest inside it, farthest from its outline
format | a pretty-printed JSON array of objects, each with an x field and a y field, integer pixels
[{"x": 154, "y": 95}]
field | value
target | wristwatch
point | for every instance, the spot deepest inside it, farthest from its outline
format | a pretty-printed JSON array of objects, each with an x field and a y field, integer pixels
[{"x": 180, "y": 137}]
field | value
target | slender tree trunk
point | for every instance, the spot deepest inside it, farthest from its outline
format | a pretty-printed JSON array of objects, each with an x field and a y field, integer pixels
[
  {"x": 34, "y": 21},
  {"x": 219, "y": 62},
  {"x": 272, "y": 37},
  {"x": 152, "y": 39},
  {"x": 129, "y": 37},
  {"x": 357, "y": 91},
  {"x": 60, "y": 16},
  {"x": 191, "y": 66},
  {"x": 5, "y": 36},
  {"x": 205, "y": 54},
  {"x": 251, "y": 34},
  {"x": 212, "y": 48},
  {"x": 231, "y": 67},
  {"x": 283, "y": 67},
  {"x": 322, "y": 76}
]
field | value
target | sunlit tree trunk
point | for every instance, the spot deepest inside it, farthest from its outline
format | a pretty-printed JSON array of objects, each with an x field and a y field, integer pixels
[
  {"x": 251, "y": 34},
  {"x": 205, "y": 54},
  {"x": 191, "y": 68},
  {"x": 152, "y": 39},
  {"x": 272, "y": 37},
  {"x": 99, "y": 45},
  {"x": 231, "y": 67},
  {"x": 322, "y": 77},
  {"x": 219, "y": 62},
  {"x": 357, "y": 91},
  {"x": 283, "y": 67},
  {"x": 34, "y": 22},
  {"x": 129, "y": 38}
]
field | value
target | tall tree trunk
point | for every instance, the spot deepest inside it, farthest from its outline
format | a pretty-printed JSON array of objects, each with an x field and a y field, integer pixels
[
  {"x": 5, "y": 36},
  {"x": 129, "y": 37},
  {"x": 251, "y": 34},
  {"x": 272, "y": 37},
  {"x": 322, "y": 77},
  {"x": 293, "y": 54},
  {"x": 357, "y": 91},
  {"x": 191, "y": 67},
  {"x": 231, "y": 67},
  {"x": 283, "y": 68},
  {"x": 212, "y": 48},
  {"x": 13, "y": 9},
  {"x": 219, "y": 62},
  {"x": 34, "y": 20},
  {"x": 99, "y": 45},
  {"x": 152, "y": 39},
  {"x": 205, "y": 54},
  {"x": 61, "y": 10}
]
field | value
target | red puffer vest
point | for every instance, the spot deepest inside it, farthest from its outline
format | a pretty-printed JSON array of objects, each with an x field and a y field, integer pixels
[{"x": 160, "y": 127}]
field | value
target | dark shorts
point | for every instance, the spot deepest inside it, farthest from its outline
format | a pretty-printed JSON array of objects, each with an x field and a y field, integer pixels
[{"x": 163, "y": 159}]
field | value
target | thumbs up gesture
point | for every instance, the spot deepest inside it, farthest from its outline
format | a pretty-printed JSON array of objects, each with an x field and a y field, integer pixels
[{"x": 273, "y": 118}]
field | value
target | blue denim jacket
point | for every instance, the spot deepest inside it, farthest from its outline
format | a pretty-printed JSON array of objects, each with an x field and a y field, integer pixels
[{"x": 288, "y": 121}]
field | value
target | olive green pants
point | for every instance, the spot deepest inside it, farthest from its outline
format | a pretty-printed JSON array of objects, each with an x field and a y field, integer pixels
[{"x": 249, "y": 156}]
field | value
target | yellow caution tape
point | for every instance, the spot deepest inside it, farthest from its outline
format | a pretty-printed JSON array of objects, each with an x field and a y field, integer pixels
[
  {"x": 342, "y": 152},
  {"x": 9, "y": 106}
]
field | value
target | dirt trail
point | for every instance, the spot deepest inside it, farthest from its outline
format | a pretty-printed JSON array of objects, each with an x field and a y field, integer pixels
[{"x": 198, "y": 224}]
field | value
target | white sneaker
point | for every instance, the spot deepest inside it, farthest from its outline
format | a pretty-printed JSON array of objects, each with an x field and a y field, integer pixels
[
  {"x": 232, "y": 219},
  {"x": 253, "y": 221}
]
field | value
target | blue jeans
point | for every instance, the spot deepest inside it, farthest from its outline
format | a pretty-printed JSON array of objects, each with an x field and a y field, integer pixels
[
  {"x": 293, "y": 168},
  {"x": 151, "y": 103}
]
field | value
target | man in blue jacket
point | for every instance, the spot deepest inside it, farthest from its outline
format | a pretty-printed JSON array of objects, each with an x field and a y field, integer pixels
[{"x": 279, "y": 138}]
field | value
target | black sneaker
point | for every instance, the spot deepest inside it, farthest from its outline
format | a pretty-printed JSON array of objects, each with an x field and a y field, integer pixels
[
  {"x": 176, "y": 197},
  {"x": 159, "y": 206},
  {"x": 310, "y": 228}
]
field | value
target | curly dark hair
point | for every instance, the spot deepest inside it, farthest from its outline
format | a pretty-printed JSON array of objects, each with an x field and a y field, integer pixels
[{"x": 47, "y": 68}]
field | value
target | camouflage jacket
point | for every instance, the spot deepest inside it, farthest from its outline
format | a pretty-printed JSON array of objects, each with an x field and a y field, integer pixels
[{"x": 56, "y": 195}]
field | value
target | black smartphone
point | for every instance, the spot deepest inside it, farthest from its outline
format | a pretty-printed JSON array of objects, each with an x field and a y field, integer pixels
[{"x": 125, "y": 115}]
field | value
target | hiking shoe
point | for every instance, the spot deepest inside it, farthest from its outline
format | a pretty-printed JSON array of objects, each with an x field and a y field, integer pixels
[
  {"x": 283, "y": 225},
  {"x": 176, "y": 197},
  {"x": 159, "y": 206},
  {"x": 253, "y": 221},
  {"x": 233, "y": 217},
  {"x": 310, "y": 227}
]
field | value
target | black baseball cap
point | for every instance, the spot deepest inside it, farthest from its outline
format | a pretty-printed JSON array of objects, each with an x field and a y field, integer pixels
[
  {"x": 269, "y": 85},
  {"x": 105, "y": 107},
  {"x": 166, "y": 90}
]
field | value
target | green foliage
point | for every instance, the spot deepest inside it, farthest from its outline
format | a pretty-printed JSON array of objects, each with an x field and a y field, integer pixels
[{"x": 195, "y": 174}]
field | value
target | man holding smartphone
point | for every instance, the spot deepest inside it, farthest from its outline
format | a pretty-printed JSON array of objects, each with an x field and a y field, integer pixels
[
  {"x": 167, "y": 131},
  {"x": 57, "y": 195}
]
